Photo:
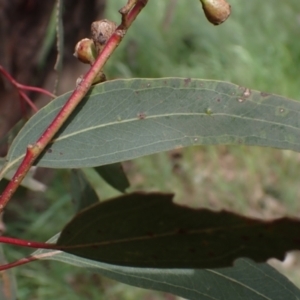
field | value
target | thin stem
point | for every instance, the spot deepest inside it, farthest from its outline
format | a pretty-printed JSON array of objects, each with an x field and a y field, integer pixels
[
  {"x": 33, "y": 151},
  {"x": 27, "y": 260},
  {"x": 17, "y": 263},
  {"x": 28, "y": 101},
  {"x": 28, "y": 244},
  {"x": 35, "y": 89},
  {"x": 20, "y": 86},
  {"x": 135, "y": 11}
]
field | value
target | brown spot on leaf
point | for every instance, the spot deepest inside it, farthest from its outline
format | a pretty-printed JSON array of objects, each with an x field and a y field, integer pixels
[
  {"x": 187, "y": 81},
  {"x": 49, "y": 150},
  {"x": 141, "y": 115}
]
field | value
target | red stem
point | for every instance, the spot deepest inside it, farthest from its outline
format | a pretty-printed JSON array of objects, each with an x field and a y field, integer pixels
[
  {"x": 28, "y": 244},
  {"x": 36, "y": 89},
  {"x": 20, "y": 86},
  {"x": 28, "y": 101},
  {"x": 19, "y": 262},
  {"x": 29, "y": 259},
  {"x": 134, "y": 12}
]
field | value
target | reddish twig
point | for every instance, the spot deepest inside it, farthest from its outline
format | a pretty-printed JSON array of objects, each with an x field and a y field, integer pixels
[
  {"x": 27, "y": 260},
  {"x": 17, "y": 263},
  {"x": 33, "y": 151},
  {"x": 20, "y": 86},
  {"x": 28, "y": 244},
  {"x": 28, "y": 101}
]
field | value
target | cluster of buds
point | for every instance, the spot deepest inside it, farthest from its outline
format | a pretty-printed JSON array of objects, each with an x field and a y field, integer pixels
[
  {"x": 87, "y": 50},
  {"x": 216, "y": 11}
]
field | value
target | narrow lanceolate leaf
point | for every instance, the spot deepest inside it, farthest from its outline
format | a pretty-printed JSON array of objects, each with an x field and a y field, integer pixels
[
  {"x": 83, "y": 194},
  {"x": 246, "y": 280},
  {"x": 126, "y": 119},
  {"x": 114, "y": 175},
  {"x": 149, "y": 230}
]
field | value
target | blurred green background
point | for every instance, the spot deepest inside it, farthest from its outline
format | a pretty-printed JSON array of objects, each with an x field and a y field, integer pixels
[{"x": 257, "y": 47}]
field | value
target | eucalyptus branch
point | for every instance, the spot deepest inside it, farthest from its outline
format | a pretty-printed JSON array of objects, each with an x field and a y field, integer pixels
[
  {"x": 21, "y": 88},
  {"x": 33, "y": 151},
  {"x": 27, "y": 260},
  {"x": 28, "y": 244},
  {"x": 25, "y": 243}
]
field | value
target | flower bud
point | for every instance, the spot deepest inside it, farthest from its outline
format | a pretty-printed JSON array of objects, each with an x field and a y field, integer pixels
[
  {"x": 100, "y": 77},
  {"x": 216, "y": 11},
  {"x": 101, "y": 31},
  {"x": 85, "y": 51}
]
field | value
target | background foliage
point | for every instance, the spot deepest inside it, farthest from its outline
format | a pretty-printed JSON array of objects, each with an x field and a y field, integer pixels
[{"x": 257, "y": 47}]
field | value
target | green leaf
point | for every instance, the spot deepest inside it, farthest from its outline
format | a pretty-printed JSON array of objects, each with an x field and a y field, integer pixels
[
  {"x": 245, "y": 281},
  {"x": 126, "y": 119},
  {"x": 115, "y": 176},
  {"x": 149, "y": 230},
  {"x": 82, "y": 192}
]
